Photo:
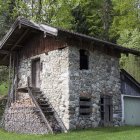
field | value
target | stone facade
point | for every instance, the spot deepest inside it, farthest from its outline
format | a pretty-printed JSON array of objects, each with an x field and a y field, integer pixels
[
  {"x": 102, "y": 77},
  {"x": 62, "y": 82},
  {"x": 54, "y": 80}
]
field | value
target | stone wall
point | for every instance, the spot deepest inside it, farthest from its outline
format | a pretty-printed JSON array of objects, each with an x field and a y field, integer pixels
[
  {"x": 54, "y": 79},
  {"x": 102, "y": 77},
  {"x": 63, "y": 83},
  {"x": 54, "y": 83},
  {"x": 21, "y": 117}
]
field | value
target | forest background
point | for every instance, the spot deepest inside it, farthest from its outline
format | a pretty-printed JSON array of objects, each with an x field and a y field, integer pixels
[{"x": 117, "y": 21}]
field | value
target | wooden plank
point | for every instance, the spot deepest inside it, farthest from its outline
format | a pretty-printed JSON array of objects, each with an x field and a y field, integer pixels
[
  {"x": 85, "y": 110},
  {"x": 85, "y": 103},
  {"x": 23, "y": 35},
  {"x": 4, "y": 52},
  {"x": 36, "y": 73},
  {"x": 57, "y": 117},
  {"x": 9, "y": 88}
]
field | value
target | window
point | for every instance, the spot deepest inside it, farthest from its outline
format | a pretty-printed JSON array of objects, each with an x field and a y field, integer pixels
[
  {"x": 106, "y": 109},
  {"x": 85, "y": 106},
  {"x": 84, "y": 60}
]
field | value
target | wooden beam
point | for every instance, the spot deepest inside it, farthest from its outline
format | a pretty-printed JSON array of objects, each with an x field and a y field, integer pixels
[
  {"x": 4, "y": 63},
  {"x": 23, "y": 35},
  {"x": 9, "y": 85},
  {"x": 4, "y": 52},
  {"x": 16, "y": 45}
]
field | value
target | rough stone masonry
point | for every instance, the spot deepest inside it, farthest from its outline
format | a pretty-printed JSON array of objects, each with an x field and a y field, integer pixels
[{"x": 63, "y": 83}]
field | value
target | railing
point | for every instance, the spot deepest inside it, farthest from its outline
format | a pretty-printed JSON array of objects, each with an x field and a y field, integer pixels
[
  {"x": 64, "y": 129},
  {"x": 58, "y": 118},
  {"x": 39, "y": 109},
  {"x": 11, "y": 92}
]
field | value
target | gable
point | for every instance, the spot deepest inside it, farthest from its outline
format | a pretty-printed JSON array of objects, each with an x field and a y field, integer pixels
[{"x": 129, "y": 85}]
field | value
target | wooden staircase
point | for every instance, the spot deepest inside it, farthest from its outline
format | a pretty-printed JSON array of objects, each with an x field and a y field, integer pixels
[{"x": 45, "y": 110}]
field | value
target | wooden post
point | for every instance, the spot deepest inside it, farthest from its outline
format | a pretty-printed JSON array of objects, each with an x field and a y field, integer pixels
[
  {"x": 16, "y": 76},
  {"x": 9, "y": 88}
]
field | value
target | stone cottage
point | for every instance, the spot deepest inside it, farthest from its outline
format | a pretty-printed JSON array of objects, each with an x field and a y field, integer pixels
[{"x": 61, "y": 80}]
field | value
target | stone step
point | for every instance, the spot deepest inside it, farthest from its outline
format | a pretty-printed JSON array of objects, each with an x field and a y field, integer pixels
[
  {"x": 48, "y": 112},
  {"x": 38, "y": 97},
  {"x": 35, "y": 89},
  {"x": 42, "y": 97},
  {"x": 42, "y": 102},
  {"x": 46, "y": 108},
  {"x": 44, "y": 105},
  {"x": 37, "y": 92}
]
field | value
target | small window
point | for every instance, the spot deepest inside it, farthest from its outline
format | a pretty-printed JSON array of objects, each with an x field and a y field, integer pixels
[
  {"x": 84, "y": 60},
  {"x": 106, "y": 109},
  {"x": 85, "y": 106}
]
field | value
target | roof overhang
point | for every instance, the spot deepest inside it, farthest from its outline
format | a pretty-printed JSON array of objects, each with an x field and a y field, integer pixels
[
  {"x": 19, "y": 32},
  {"x": 23, "y": 28},
  {"x": 24, "y": 24}
]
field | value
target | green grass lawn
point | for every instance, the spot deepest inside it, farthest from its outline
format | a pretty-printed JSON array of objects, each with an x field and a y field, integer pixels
[{"x": 119, "y": 133}]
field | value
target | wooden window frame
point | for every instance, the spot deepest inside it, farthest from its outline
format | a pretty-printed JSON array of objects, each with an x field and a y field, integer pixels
[{"x": 85, "y": 106}]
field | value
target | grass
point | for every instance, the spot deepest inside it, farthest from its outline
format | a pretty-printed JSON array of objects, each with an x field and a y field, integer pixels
[{"x": 119, "y": 133}]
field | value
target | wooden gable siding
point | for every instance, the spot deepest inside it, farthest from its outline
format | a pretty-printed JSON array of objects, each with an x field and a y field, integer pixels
[
  {"x": 128, "y": 85},
  {"x": 92, "y": 46},
  {"x": 38, "y": 45},
  {"x": 129, "y": 88}
]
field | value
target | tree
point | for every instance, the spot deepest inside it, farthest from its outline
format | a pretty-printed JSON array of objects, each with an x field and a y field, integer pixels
[
  {"x": 131, "y": 39},
  {"x": 52, "y": 12},
  {"x": 126, "y": 16},
  {"x": 126, "y": 30},
  {"x": 93, "y": 18}
]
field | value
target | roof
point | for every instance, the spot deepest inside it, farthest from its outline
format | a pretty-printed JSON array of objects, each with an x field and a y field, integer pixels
[
  {"x": 130, "y": 78},
  {"x": 22, "y": 28}
]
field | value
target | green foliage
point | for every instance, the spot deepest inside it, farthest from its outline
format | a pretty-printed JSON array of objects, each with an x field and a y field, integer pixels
[
  {"x": 55, "y": 12},
  {"x": 114, "y": 20},
  {"x": 125, "y": 30},
  {"x": 6, "y": 18},
  {"x": 93, "y": 18},
  {"x": 131, "y": 39},
  {"x": 126, "y": 16},
  {"x": 3, "y": 89},
  {"x": 3, "y": 80}
]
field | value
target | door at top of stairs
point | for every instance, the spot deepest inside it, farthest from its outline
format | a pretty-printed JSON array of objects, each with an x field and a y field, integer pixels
[{"x": 36, "y": 73}]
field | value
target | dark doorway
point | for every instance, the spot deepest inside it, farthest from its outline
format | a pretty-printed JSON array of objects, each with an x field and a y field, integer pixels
[
  {"x": 36, "y": 73},
  {"x": 106, "y": 110}
]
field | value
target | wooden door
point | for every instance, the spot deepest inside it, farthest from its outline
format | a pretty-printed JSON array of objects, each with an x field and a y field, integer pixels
[
  {"x": 106, "y": 109},
  {"x": 36, "y": 73}
]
